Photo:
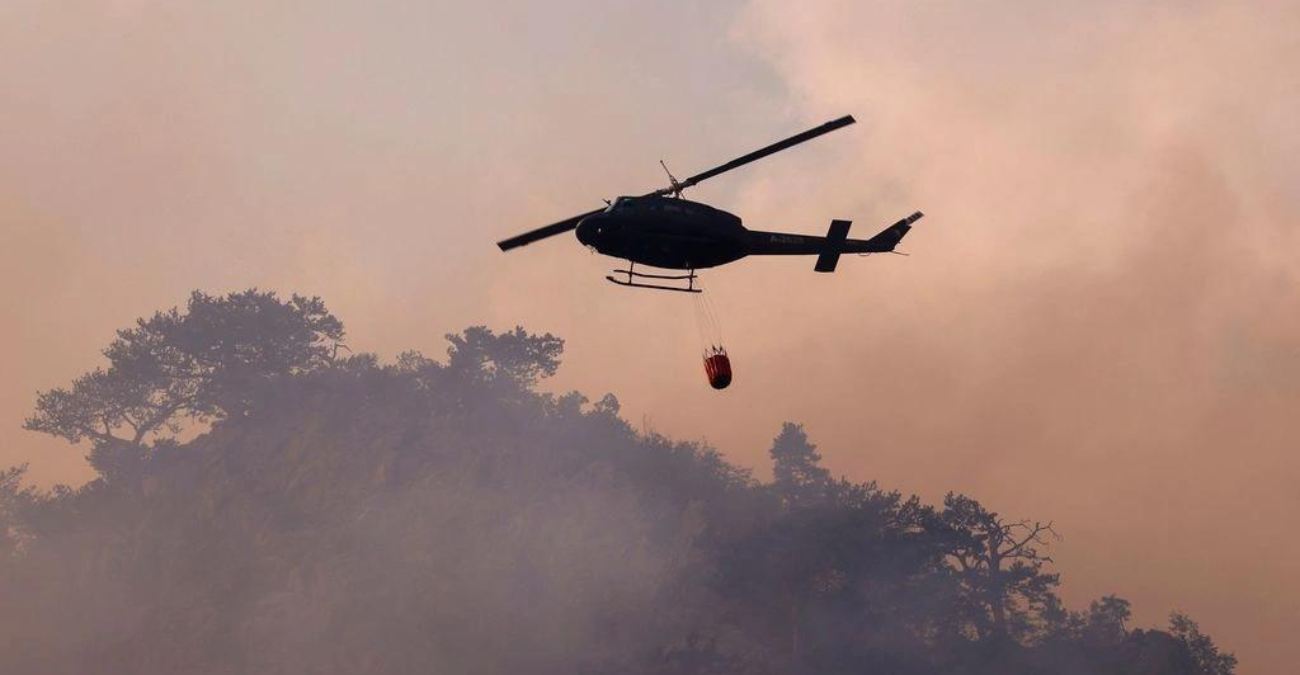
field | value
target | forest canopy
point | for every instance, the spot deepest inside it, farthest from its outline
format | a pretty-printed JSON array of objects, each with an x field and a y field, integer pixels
[{"x": 266, "y": 504}]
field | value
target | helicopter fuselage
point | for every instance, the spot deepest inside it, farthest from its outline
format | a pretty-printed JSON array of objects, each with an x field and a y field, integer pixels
[
  {"x": 665, "y": 232},
  {"x": 679, "y": 234}
]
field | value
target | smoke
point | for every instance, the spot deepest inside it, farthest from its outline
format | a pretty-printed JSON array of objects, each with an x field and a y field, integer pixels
[
  {"x": 366, "y": 520},
  {"x": 1099, "y": 320},
  {"x": 1097, "y": 323}
]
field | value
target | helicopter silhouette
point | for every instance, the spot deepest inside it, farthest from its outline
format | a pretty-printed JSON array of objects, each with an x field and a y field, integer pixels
[{"x": 662, "y": 229}]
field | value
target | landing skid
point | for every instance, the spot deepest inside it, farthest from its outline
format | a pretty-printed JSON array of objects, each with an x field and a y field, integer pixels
[{"x": 632, "y": 275}]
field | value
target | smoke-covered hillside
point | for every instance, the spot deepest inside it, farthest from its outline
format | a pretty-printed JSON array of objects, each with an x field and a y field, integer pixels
[{"x": 343, "y": 515}]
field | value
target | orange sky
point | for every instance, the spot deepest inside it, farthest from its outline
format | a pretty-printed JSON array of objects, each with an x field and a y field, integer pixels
[{"x": 1098, "y": 324}]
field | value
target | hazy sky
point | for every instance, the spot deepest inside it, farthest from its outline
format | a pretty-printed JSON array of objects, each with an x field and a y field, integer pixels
[{"x": 1098, "y": 324}]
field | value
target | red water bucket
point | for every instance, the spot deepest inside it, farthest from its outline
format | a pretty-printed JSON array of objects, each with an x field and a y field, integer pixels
[{"x": 718, "y": 367}]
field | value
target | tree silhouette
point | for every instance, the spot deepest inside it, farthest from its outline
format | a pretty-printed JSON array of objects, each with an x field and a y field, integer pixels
[
  {"x": 799, "y": 479},
  {"x": 515, "y": 357},
  {"x": 1204, "y": 654},
  {"x": 11, "y": 496},
  {"x": 198, "y": 364},
  {"x": 346, "y": 515},
  {"x": 1104, "y": 625},
  {"x": 1000, "y": 564}
]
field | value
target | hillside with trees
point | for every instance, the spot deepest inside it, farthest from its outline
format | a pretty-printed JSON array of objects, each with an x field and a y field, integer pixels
[{"x": 268, "y": 502}]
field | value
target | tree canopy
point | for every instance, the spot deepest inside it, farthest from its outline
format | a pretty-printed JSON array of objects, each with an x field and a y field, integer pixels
[
  {"x": 344, "y": 515},
  {"x": 200, "y": 363}
]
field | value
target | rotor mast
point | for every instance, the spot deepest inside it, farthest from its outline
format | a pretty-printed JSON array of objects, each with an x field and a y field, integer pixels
[{"x": 674, "y": 187}]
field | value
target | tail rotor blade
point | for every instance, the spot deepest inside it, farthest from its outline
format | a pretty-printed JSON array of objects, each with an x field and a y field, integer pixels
[{"x": 544, "y": 232}]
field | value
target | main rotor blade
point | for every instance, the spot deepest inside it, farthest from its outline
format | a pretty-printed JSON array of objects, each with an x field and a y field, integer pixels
[
  {"x": 544, "y": 232},
  {"x": 571, "y": 223},
  {"x": 760, "y": 154}
]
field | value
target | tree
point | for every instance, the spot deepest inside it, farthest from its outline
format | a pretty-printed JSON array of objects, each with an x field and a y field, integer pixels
[
  {"x": 798, "y": 477},
  {"x": 352, "y": 516},
  {"x": 829, "y": 571},
  {"x": 11, "y": 494},
  {"x": 1105, "y": 622},
  {"x": 1207, "y": 657},
  {"x": 1000, "y": 564},
  {"x": 516, "y": 358},
  {"x": 199, "y": 364}
]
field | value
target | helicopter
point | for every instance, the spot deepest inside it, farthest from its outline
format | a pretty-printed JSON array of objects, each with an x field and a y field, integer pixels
[{"x": 663, "y": 230}]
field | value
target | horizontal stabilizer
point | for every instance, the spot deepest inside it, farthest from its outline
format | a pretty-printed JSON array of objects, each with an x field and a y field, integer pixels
[{"x": 835, "y": 236}]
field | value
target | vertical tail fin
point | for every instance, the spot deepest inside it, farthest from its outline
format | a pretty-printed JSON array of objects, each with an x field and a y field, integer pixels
[{"x": 890, "y": 236}]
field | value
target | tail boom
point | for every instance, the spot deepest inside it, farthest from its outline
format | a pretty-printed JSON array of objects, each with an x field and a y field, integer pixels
[{"x": 829, "y": 248}]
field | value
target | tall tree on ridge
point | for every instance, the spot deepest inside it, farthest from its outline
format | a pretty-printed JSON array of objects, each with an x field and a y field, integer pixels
[{"x": 200, "y": 364}]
